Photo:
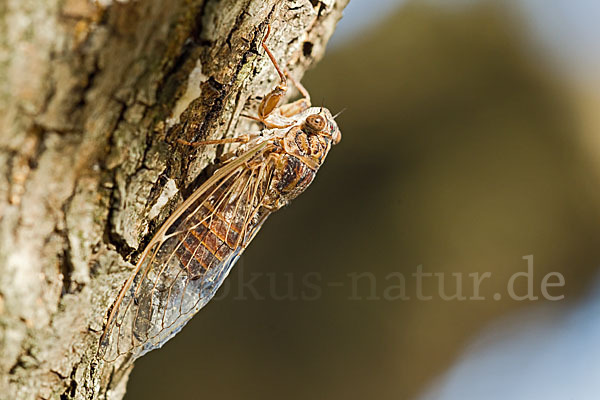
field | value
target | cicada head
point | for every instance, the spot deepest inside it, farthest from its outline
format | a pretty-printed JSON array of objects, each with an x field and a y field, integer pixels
[
  {"x": 322, "y": 123},
  {"x": 305, "y": 146}
]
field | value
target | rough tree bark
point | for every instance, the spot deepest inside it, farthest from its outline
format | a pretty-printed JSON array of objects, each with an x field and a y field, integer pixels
[{"x": 92, "y": 97}]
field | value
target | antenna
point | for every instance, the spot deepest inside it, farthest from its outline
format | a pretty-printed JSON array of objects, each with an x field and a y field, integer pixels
[{"x": 339, "y": 113}]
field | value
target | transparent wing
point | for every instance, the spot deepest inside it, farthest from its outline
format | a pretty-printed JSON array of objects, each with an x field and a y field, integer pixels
[{"x": 186, "y": 262}]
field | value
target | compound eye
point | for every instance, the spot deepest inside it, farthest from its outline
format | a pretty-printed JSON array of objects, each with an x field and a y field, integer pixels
[{"x": 315, "y": 123}]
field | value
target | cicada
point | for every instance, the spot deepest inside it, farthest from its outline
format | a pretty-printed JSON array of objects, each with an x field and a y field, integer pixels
[{"x": 195, "y": 249}]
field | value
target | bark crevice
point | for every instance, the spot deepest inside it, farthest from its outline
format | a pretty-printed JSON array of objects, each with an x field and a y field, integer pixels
[{"x": 93, "y": 97}]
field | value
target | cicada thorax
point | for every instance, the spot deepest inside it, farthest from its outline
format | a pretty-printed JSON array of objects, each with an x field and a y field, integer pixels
[
  {"x": 311, "y": 147},
  {"x": 296, "y": 164}
]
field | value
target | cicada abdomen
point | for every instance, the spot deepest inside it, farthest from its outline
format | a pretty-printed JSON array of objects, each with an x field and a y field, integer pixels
[{"x": 188, "y": 259}]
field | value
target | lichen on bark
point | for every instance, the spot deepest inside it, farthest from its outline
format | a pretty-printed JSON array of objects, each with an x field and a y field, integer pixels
[{"x": 93, "y": 95}]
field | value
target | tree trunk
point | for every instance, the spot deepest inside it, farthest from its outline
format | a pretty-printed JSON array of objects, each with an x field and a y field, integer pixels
[{"x": 93, "y": 95}]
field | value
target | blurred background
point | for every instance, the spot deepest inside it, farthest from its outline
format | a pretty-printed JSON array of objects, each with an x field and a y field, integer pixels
[{"x": 470, "y": 141}]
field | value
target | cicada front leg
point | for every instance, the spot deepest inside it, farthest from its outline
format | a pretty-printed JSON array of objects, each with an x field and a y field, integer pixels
[
  {"x": 296, "y": 107},
  {"x": 271, "y": 101}
]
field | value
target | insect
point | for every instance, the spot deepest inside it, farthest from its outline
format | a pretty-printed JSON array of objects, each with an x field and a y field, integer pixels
[{"x": 195, "y": 249}]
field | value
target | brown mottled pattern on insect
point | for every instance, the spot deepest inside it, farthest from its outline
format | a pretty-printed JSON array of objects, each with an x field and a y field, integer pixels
[
  {"x": 213, "y": 239},
  {"x": 192, "y": 253}
]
